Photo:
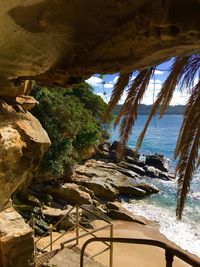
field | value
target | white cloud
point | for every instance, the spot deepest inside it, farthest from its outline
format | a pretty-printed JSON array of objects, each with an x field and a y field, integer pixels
[
  {"x": 108, "y": 85},
  {"x": 196, "y": 80},
  {"x": 179, "y": 98},
  {"x": 115, "y": 79},
  {"x": 159, "y": 72},
  {"x": 94, "y": 81},
  {"x": 156, "y": 86},
  {"x": 156, "y": 81}
]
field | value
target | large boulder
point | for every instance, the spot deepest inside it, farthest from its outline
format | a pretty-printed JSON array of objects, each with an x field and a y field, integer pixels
[
  {"x": 16, "y": 241},
  {"x": 108, "y": 180},
  {"x": 131, "y": 191},
  {"x": 128, "y": 152},
  {"x": 23, "y": 143},
  {"x": 149, "y": 189},
  {"x": 101, "y": 189},
  {"x": 135, "y": 161},
  {"x": 117, "y": 212},
  {"x": 137, "y": 169},
  {"x": 71, "y": 193},
  {"x": 158, "y": 161},
  {"x": 152, "y": 172}
]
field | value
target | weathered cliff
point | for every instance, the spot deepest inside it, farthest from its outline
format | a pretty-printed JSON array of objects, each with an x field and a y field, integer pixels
[
  {"x": 23, "y": 142},
  {"x": 62, "y": 42}
]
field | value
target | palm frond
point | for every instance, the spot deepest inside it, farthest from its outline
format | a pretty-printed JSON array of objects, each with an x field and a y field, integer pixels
[
  {"x": 188, "y": 116},
  {"x": 152, "y": 113},
  {"x": 188, "y": 148},
  {"x": 117, "y": 92},
  {"x": 198, "y": 162},
  {"x": 165, "y": 95},
  {"x": 190, "y": 72},
  {"x": 186, "y": 168},
  {"x": 136, "y": 83},
  {"x": 135, "y": 95},
  {"x": 171, "y": 82},
  {"x": 183, "y": 73}
]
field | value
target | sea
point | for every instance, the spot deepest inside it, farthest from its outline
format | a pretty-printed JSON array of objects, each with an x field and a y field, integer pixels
[{"x": 161, "y": 138}]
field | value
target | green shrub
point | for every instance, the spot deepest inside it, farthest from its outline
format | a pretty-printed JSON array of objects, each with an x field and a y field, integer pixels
[{"x": 71, "y": 118}]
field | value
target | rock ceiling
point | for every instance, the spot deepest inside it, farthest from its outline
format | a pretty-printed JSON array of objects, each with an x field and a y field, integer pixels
[{"x": 59, "y": 42}]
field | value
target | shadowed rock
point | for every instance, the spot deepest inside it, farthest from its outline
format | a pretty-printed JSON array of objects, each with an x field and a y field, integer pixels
[
  {"x": 23, "y": 142},
  {"x": 65, "y": 43},
  {"x": 70, "y": 192}
]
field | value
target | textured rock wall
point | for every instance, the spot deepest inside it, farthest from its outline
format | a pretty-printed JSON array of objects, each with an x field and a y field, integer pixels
[
  {"x": 62, "y": 42},
  {"x": 23, "y": 142},
  {"x": 16, "y": 241}
]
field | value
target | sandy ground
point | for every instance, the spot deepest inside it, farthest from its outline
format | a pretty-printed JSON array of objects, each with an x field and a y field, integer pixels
[{"x": 126, "y": 255}]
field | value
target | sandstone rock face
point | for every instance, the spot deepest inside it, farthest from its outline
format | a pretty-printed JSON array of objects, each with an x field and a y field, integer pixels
[
  {"x": 23, "y": 142},
  {"x": 70, "y": 192},
  {"x": 63, "y": 42},
  {"x": 117, "y": 212},
  {"x": 107, "y": 181},
  {"x": 16, "y": 241}
]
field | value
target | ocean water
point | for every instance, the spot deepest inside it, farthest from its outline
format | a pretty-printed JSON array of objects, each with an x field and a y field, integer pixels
[{"x": 161, "y": 138}]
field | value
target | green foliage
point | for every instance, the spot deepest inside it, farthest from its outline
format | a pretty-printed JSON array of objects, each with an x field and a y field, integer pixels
[
  {"x": 91, "y": 101},
  {"x": 71, "y": 118}
]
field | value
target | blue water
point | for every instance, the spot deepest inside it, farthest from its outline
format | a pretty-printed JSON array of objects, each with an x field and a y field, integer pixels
[{"x": 161, "y": 138}]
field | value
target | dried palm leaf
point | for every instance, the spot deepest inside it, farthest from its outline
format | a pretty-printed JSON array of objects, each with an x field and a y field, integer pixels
[
  {"x": 186, "y": 168},
  {"x": 190, "y": 72},
  {"x": 188, "y": 116},
  {"x": 198, "y": 162},
  {"x": 117, "y": 92},
  {"x": 135, "y": 95},
  {"x": 187, "y": 147},
  {"x": 171, "y": 82},
  {"x": 130, "y": 92},
  {"x": 183, "y": 71},
  {"x": 186, "y": 165}
]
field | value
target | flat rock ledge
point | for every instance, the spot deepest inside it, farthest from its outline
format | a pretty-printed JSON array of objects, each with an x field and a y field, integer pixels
[{"x": 108, "y": 183}]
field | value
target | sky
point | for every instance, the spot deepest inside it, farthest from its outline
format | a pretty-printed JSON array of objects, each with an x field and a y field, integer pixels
[{"x": 179, "y": 98}]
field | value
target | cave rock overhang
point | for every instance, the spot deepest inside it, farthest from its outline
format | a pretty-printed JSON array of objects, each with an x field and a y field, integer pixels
[{"x": 60, "y": 43}]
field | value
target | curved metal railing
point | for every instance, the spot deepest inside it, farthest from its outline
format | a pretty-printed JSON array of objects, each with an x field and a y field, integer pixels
[{"x": 170, "y": 252}]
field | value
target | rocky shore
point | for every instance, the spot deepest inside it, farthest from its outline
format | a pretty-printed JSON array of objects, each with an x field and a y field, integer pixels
[{"x": 100, "y": 184}]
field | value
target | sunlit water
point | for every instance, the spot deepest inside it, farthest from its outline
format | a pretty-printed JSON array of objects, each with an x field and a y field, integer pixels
[{"x": 161, "y": 138}]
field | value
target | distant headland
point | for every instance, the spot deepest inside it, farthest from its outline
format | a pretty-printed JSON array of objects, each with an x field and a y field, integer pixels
[{"x": 145, "y": 109}]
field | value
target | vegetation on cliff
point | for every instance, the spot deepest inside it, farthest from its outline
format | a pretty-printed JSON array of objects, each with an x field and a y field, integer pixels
[{"x": 71, "y": 118}]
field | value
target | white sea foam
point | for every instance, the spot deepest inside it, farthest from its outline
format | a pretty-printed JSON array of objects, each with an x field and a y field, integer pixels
[
  {"x": 161, "y": 207},
  {"x": 195, "y": 195},
  {"x": 184, "y": 233}
]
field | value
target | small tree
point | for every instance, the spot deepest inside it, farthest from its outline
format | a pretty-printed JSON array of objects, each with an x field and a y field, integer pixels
[{"x": 71, "y": 118}]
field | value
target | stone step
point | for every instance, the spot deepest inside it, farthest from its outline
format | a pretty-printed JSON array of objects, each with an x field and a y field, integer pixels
[{"x": 68, "y": 258}]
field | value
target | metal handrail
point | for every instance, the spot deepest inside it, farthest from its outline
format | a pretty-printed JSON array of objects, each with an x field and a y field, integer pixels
[
  {"x": 170, "y": 252},
  {"x": 50, "y": 231},
  {"x": 78, "y": 236},
  {"x": 110, "y": 225}
]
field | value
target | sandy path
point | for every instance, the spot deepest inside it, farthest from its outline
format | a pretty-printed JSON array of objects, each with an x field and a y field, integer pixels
[{"x": 128, "y": 255}]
